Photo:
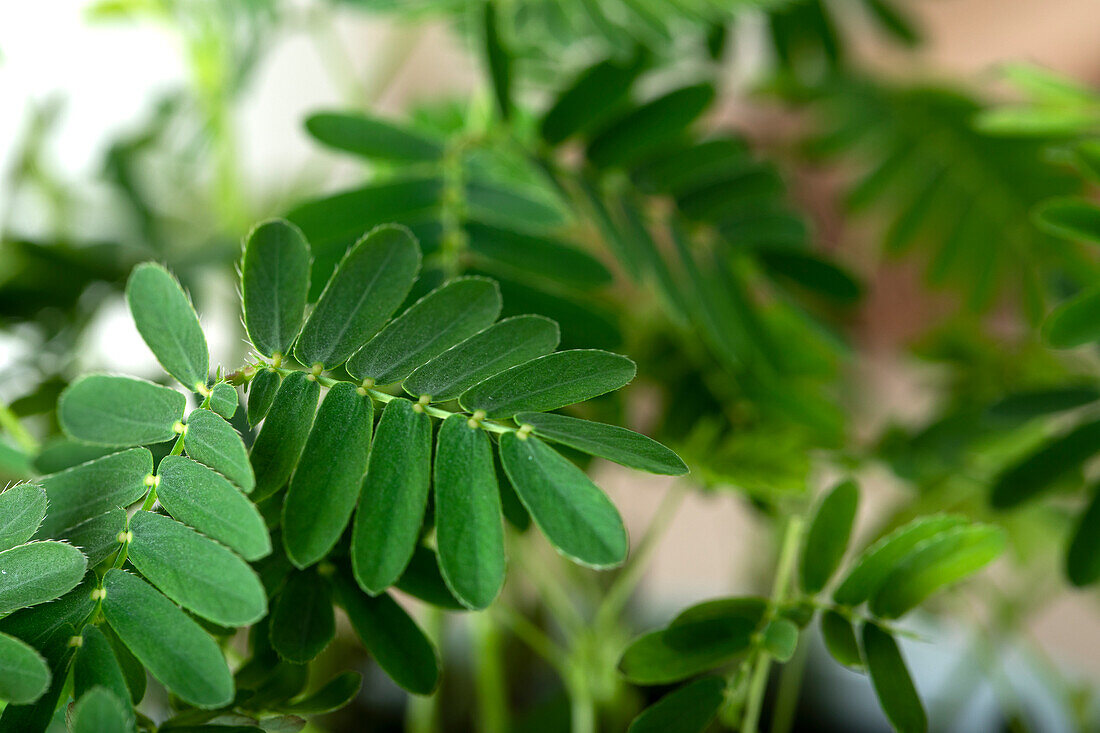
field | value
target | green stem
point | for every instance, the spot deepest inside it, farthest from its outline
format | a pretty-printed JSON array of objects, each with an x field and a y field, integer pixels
[
  {"x": 582, "y": 711},
  {"x": 491, "y": 687},
  {"x": 10, "y": 422},
  {"x": 423, "y": 712},
  {"x": 758, "y": 683},
  {"x": 790, "y": 682},
  {"x": 532, "y": 636}
]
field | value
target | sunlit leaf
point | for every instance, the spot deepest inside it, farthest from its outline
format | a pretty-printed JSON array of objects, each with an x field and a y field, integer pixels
[{"x": 168, "y": 324}]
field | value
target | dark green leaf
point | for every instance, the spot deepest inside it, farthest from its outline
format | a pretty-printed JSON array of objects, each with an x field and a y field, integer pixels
[
  {"x": 261, "y": 394},
  {"x": 606, "y": 441},
  {"x": 703, "y": 637},
  {"x": 24, "y": 675},
  {"x": 22, "y": 509},
  {"x": 814, "y": 273},
  {"x": 210, "y": 440},
  {"x": 648, "y": 128},
  {"x": 38, "y": 572},
  {"x": 280, "y": 442},
  {"x": 372, "y": 138},
  {"x": 333, "y": 695},
  {"x": 205, "y": 500},
  {"x": 392, "y": 638},
  {"x": 511, "y": 206},
  {"x": 509, "y": 343},
  {"x": 1021, "y": 406},
  {"x": 1075, "y": 322},
  {"x": 893, "y": 686},
  {"x": 435, "y": 323},
  {"x": 326, "y": 484},
  {"x": 550, "y": 382},
  {"x": 224, "y": 399},
  {"x": 686, "y": 710},
  {"x": 132, "y": 669},
  {"x": 938, "y": 562},
  {"x": 196, "y": 572},
  {"x": 170, "y": 645},
  {"x": 1037, "y": 471},
  {"x": 96, "y": 665},
  {"x": 538, "y": 256},
  {"x": 880, "y": 559},
  {"x": 36, "y": 625},
  {"x": 781, "y": 639},
  {"x": 1076, "y": 219},
  {"x": 468, "y": 527},
  {"x": 498, "y": 60},
  {"x": 119, "y": 411},
  {"x": 88, "y": 490},
  {"x": 1083, "y": 557},
  {"x": 166, "y": 320},
  {"x": 369, "y": 284},
  {"x": 422, "y": 579},
  {"x": 588, "y": 100},
  {"x": 98, "y": 537},
  {"x": 827, "y": 538},
  {"x": 302, "y": 623},
  {"x": 394, "y": 496},
  {"x": 578, "y": 519},
  {"x": 99, "y": 711},
  {"x": 274, "y": 285},
  {"x": 840, "y": 639}
]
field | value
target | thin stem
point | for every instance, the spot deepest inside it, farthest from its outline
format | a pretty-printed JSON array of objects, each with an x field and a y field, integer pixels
[
  {"x": 531, "y": 635},
  {"x": 423, "y": 712},
  {"x": 491, "y": 687},
  {"x": 582, "y": 711},
  {"x": 790, "y": 682}
]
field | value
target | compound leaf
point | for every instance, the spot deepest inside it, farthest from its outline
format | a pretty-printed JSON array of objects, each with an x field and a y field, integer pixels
[
  {"x": 280, "y": 442},
  {"x": 196, "y": 572},
  {"x": 327, "y": 482},
  {"x": 274, "y": 285},
  {"x": 213, "y": 442},
  {"x": 689, "y": 709},
  {"x": 119, "y": 411},
  {"x": 828, "y": 535},
  {"x": 167, "y": 322},
  {"x": 394, "y": 496},
  {"x": 38, "y": 572},
  {"x": 549, "y": 382},
  {"x": 892, "y": 682},
  {"x": 172, "y": 647},
  {"x": 578, "y": 519},
  {"x": 22, "y": 509},
  {"x": 24, "y": 674},
  {"x": 436, "y": 322},
  {"x": 469, "y": 533},
  {"x": 606, "y": 441},
  {"x": 509, "y": 343}
]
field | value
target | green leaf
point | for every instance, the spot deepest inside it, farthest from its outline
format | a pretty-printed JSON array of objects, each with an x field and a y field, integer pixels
[
  {"x": 326, "y": 484},
  {"x": 302, "y": 622},
  {"x": 367, "y": 287},
  {"x": 1070, "y": 218},
  {"x": 840, "y": 639},
  {"x": 172, "y": 647},
  {"x": 38, "y": 572},
  {"x": 891, "y": 680},
  {"x": 509, "y": 343},
  {"x": 498, "y": 60},
  {"x": 422, "y": 579},
  {"x": 1074, "y": 322},
  {"x": 224, "y": 399},
  {"x": 689, "y": 709},
  {"x": 37, "y": 716},
  {"x": 880, "y": 559},
  {"x": 36, "y": 625},
  {"x": 650, "y": 127},
  {"x": 132, "y": 669},
  {"x": 213, "y": 442},
  {"x": 274, "y": 285},
  {"x": 98, "y": 537},
  {"x": 88, "y": 490},
  {"x": 1083, "y": 556},
  {"x": 827, "y": 538},
  {"x": 333, "y": 695},
  {"x": 167, "y": 322},
  {"x": 24, "y": 674},
  {"x": 196, "y": 572},
  {"x": 814, "y": 273},
  {"x": 578, "y": 519},
  {"x": 469, "y": 533},
  {"x": 435, "y": 323},
  {"x": 22, "y": 509},
  {"x": 537, "y": 256},
  {"x": 589, "y": 100},
  {"x": 280, "y": 442},
  {"x": 781, "y": 639},
  {"x": 119, "y": 411},
  {"x": 96, "y": 665},
  {"x": 938, "y": 562},
  {"x": 394, "y": 496},
  {"x": 392, "y": 638},
  {"x": 512, "y": 206},
  {"x": 99, "y": 711},
  {"x": 205, "y": 500},
  {"x": 549, "y": 382},
  {"x": 261, "y": 394},
  {"x": 606, "y": 441},
  {"x": 372, "y": 138},
  {"x": 1019, "y": 407},
  {"x": 701, "y": 638},
  {"x": 1038, "y": 470}
]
